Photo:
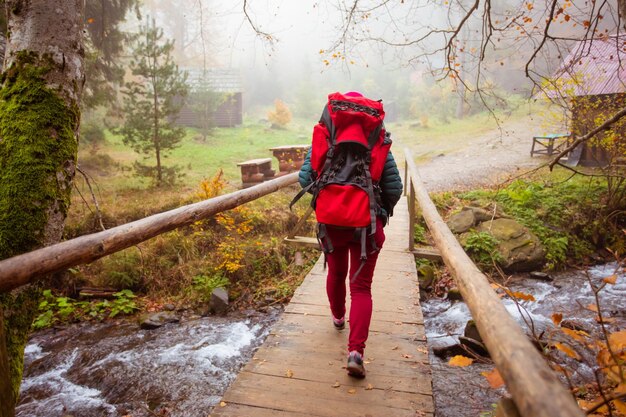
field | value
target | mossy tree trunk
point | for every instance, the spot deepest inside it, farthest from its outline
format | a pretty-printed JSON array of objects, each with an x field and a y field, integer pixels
[{"x": 39, "y": 120}]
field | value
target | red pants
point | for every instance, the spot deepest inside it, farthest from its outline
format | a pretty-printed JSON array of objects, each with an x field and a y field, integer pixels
[{"x": 347, "y": 246}]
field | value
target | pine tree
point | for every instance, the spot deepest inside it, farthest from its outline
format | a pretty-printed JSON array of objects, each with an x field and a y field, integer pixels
[{"x": 152, "y": 100}]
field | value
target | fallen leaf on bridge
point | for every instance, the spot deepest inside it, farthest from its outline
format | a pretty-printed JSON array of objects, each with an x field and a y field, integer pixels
[
  {"x": 611, "y": 280},
  {"x": 369, "y": 387},
  {"x": 223, "y": 404},
  {"x": 336, "y": 384},
  {"x": 460, "y": 361},
  {"x": 352, "y": 391},
  {"x": 289, "y": 373},
  {"x": 494, "y": 378}
]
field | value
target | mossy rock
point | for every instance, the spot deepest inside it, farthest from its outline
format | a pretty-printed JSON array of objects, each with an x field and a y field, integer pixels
[{"x": 520, "y": 249}]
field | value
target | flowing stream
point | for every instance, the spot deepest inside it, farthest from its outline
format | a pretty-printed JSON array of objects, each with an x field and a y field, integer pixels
[
  {"x": 182, "y": 369},
  {"x": 461, "y": 392},
  {"x": 117, "y": 369}
]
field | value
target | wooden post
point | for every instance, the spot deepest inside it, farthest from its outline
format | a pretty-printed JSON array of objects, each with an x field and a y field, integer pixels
[
  {"x": 536, "y": 390},
  {"x": 412, "y": 215},
  {"x": 21, "y": 269}
]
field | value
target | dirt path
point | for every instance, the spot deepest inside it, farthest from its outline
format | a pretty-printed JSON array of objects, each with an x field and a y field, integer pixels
[{"x": 486, "y": 159}]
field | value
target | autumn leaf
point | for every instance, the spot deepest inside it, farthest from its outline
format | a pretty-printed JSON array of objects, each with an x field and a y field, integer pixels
[
  {"x": 592, "y": 307},
  {"x": 494, "y": 378},
  {"x": 336, "y": 384},
  {"x": 520, "y": 295},
  {"x": 369, "y": 387},
  {"x": 352, "y": 391},
  {"x": 223, "y": 404},
  {"x": 617, "y": 340},
  {"x": 460, "y": 361},
  {"x": 620, "y": 406},
  {"x": 611, "y": 280},
  {"x": 577, "y": 335},
  {"x": 557, "y": 318},
  {"x": 289, "y": 373},
  {"x": 567, "y": 350}
]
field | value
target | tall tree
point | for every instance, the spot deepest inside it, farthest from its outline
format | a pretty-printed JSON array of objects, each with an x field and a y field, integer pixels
[
  {"x": 151, "y": 103},
  {"x": 39, "y": 119},
  {"x": 104, "y": 45}
]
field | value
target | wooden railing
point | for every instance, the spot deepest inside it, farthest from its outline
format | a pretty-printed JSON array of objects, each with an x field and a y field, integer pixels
[
  {"x": 22, "y": 269},
  {"x": 535, "y": 389}
]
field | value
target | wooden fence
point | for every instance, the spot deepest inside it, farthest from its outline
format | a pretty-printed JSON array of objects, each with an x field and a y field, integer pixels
[
  {"x": 22, "y": 269},
  {"x": 535, "y": 389}
]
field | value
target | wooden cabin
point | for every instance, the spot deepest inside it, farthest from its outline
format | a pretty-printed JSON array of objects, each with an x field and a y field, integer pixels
[
  {"x": 214, "y": 100},
  {"x": 594, "y": 75}
]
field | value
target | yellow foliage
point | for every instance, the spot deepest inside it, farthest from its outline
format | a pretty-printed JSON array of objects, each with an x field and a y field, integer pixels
[
  {"x": 281, "y": 116},
  {"x": 212, "y": 187}
]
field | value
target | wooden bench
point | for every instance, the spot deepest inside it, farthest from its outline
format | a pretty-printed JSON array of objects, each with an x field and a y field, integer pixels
[
  {"x": 256, "y": 171},
  {"x": 549, "y": 144},
  {"x": 290, "y": 157}
]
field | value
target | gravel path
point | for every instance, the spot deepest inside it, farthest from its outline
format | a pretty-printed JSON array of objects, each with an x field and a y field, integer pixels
[{"x": 487, "y": 159}]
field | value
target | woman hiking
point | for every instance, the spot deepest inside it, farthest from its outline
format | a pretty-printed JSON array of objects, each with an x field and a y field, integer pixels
[{"x": 355, "y": 184}]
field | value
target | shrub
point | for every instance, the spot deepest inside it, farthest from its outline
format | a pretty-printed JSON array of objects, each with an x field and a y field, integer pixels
[{"x": 281, "y": 116}]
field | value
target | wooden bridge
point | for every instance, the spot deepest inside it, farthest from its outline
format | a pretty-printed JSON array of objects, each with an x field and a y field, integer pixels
[{"x": 298, "y": 371}]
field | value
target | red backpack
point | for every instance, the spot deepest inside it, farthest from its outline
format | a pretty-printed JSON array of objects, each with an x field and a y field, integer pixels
[{"x": 349, "y": 150}]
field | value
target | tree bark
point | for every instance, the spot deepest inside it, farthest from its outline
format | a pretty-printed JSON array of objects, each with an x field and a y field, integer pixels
[{"x": 39, "y": 120}]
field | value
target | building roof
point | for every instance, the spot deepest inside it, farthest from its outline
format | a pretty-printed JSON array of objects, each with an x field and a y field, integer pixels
[
  {"x": 596, "y": 66},
  {"x": 214, "y": 79}
]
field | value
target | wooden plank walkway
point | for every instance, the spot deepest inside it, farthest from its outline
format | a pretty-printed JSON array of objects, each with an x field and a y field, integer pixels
[{"x": 299, "y": 370}]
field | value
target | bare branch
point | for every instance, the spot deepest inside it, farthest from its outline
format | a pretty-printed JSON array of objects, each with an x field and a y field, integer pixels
[
  {"x": 606, "y": 125},
  {"x": 263, "y": 35}
]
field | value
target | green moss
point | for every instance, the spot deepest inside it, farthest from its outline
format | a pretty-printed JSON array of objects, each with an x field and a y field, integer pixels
[
  {"x": 36, "y": 141},
  {"x": 37, "y": 150}
]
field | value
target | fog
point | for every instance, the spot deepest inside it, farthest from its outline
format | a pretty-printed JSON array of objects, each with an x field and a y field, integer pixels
[{"x": 299, "y": 51}]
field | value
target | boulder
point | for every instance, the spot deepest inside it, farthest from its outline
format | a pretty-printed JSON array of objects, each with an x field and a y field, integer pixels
[
  {"x": 156, "y": 320},
  {"x": 426, "y": 277},
  {"x": 461, "y": 222},
  {"x": 521, "y": 250},
  {"x": 219, "y": 301},
  {"x": 541, "y": 276}
]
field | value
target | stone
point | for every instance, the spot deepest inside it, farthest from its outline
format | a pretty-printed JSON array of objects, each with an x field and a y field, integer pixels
[
  {"x": 461, "y": 222},
  {"x": 219, "y": 301},
  {"x": 156, "y": 320},
  {"x": 481, "y": 214},
  {"x": 454, "y": 295},
  {"x": 471, "y": 331},
  {"x": 449, "y": 351},
  {"x": 426, "y": 277},
  {"x": 169, "y": 307},
  {"x": 520, "y": 249},
  {"x": 541, "y": 276},
  {"x": 474, "y": 346}
]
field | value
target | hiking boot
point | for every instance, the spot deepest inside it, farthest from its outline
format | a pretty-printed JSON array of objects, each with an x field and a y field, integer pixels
[
  {"x": 339, "y": 324},
  {"x": 355, "y": 365}
]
